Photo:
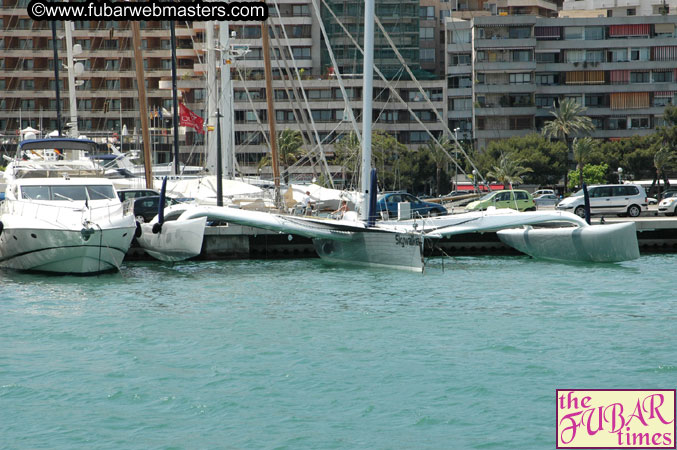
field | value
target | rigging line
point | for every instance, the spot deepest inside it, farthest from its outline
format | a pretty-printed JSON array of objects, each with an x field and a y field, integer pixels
[
  {"x": 394, "y": 91},
  {"x": 305, "y": 100},
  {"x": 351, "y": 116},
  {"x": 427, "y": 99},
  {"x": 251, "y": 104},
  {"x": 306, "y": 136}
]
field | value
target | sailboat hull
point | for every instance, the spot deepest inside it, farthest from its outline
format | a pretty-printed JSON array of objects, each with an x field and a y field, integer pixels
[
  {"x": 594, "y": 243},
  {"x": 375, "y": 249}
]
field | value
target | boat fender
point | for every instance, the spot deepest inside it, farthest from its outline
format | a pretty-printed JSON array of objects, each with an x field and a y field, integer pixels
[
  {"x": 157, "y": 228},
  {"x": 2, "y": 227},
  {"x": 138, "y": 231}
]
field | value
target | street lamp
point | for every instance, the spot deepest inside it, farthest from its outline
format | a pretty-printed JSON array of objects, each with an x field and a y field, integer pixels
[{"x": 620, "y": 175}]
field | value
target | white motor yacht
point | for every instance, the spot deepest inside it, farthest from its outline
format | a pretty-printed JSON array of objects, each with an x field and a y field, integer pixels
[
  {"x": 64, "y": 225},
  {"x": 58, "y": 216}
]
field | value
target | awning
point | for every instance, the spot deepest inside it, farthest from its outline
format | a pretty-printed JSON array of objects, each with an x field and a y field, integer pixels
[
  {"x": 641, "y": 29},
  {"x": 666, "y": 53},
  {"x": 664, "y": 94},
  {"x": 665, "y": 27},
  {"x": 629, "y": 100},
  {"x": 547, "y": 32}
]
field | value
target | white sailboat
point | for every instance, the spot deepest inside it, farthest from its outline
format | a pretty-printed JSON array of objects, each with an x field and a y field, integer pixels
[{"x": 363, "y": 241}]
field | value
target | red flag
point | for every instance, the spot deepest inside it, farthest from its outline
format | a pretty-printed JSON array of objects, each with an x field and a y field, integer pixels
[{"x": 188, "y": 118}]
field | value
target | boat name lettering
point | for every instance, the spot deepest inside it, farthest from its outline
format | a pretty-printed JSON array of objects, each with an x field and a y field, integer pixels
[{"x": 404, "y": 240}]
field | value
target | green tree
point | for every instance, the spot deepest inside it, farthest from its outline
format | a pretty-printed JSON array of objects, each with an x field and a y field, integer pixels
[
  {"x": 439, "y": 155},
  {"x": 582, "y": 150},
  {"x": 386, "y": 157},
  {"x": 592, "y": 174},
  {"x": 663, "y": 160},
  {"x": 568, "y": 121},
  {"x": 508, "y": 171},
  {"x": 546, "y": 158},
  {"x": 289, "y": 143}
]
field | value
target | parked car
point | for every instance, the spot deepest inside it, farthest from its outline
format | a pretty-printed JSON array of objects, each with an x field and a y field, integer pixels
[
  {"x": 147, "y": 207},
  {"x": 621, "y": 199},
  {"x": 515, "y": 199},
  {"x": 668, "y": 204},
  {"x": 540, "y": 192},
  {"x": 388, "y": 202},
  {"x": 546, "y": 200},
  {"x": 126, "y": 194}
]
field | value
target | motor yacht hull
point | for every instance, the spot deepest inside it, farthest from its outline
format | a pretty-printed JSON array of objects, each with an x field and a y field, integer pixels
[
  {"x": 375, "y": 249},
  {"x": 64, "y": 251},
  {"x": 176, "y": 241},
  {"x": 594, "y": 243}
]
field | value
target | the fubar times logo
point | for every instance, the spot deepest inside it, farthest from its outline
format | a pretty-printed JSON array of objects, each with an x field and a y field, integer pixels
[{"x": 615, "y": 418}]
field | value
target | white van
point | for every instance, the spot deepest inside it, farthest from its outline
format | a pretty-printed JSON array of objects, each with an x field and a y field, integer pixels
[{"x": 618, "y": 199}]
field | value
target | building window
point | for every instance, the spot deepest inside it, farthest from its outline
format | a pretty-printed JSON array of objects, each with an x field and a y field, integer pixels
[
  {"x": 639, "y": 123},
  {"x": 639, "y": 77},
  {"x": 427, "y": 54},
  {"x": 427, "y": 12},
  {"x": 521, "y": 123},
  {"x": 301, "y": 52},
  {"x": 547, "y": 57},
  {"x": 594, "y": 33},
  {"x": 520, "y": 78},
  {"x": 639, "y": 54},
  {"x": 571, "y": 33},
  {"x": 519, "y": 32},
  {"x": 546, "y": 79},
  {"x": 631, "y": 12},
  {"x": 594, "y": 100},
  {"x": 317, "y": 94},
  {"x": 521, "y": 55},
  {"x": 460, "y": 59},
  {"x": 426, "y": 33},
  {"x": 300, "y": 10}
]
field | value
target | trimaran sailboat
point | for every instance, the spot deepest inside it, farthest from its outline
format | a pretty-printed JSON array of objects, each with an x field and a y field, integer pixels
[{"x": 399, "y": 244}]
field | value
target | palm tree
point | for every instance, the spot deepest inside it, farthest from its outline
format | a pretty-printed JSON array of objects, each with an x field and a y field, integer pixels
[
  {"x": 289, "y": 144},
  {"x": 662, "y": 161},
  {"x": 289, "y": 150},
  {"x": 582, "y": 149},
  {"x": 568, "y": 121},
  {"x": 509, "y": 171},
  {"x": 438, "y": 153}
]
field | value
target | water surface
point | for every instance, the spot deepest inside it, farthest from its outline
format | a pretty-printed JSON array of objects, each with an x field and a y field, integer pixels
[{"x": 297, "y": 354}]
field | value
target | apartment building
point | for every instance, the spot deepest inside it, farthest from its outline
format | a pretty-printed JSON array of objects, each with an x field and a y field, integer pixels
[
  {"x": 505, "y": 74},
  {"x": 617, "y": 8}
]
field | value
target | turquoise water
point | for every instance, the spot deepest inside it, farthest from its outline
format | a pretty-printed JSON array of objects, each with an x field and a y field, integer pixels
[{"x": 296, "y": 354}]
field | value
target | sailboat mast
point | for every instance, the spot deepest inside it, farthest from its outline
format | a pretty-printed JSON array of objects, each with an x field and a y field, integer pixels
[
  {"x": 143, "y": 108},
  {"x": 56, "y": 79},
  {"x": 226, "y": 100},
  {"x": 271, "y": 110},
  {"x": 212, "y": 98},
  {"x": 71, "y": 80},
  {"x": 175, "y": 98},
  {"x": 367, "y": 91}
]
